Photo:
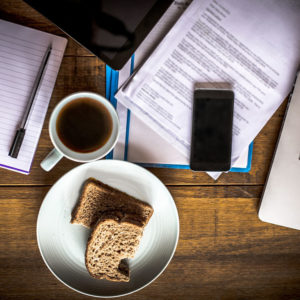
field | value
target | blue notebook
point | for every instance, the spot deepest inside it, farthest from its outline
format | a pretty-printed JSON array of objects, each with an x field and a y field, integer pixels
[{"x": 139, "y": 144}]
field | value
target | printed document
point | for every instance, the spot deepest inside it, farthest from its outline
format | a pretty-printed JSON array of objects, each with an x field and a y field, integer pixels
[{"x": 254, "y": 45}]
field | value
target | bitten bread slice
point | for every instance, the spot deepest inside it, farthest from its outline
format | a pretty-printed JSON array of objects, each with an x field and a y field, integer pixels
[
  {"x": 96, "y": 198},
  {"x": 115, "y": 237}
]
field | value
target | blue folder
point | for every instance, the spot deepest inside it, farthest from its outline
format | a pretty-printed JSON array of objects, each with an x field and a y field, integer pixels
[{"x": 112, "y": 79}]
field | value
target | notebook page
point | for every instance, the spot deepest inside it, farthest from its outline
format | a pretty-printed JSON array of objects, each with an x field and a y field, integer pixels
[{"x": 21, "y": 52}]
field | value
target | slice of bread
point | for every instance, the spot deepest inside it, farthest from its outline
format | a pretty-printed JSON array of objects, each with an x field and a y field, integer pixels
[
  {"x": 115, "y": 238},
  {"x": 97, "y": 198}
]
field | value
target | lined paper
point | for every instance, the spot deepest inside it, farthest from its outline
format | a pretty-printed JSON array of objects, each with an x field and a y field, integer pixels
[{"x": 21, "y": 52}]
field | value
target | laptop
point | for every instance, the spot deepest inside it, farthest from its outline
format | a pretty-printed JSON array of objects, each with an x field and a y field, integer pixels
[
  {"x": 110, "y": 29},
  {"x": 280, "y": 203}
]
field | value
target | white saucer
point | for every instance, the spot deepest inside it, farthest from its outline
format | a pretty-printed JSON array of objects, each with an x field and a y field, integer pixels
[{"x": 62, "y": 245}]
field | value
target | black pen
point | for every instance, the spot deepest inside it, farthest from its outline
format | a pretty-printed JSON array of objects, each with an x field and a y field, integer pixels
[{"x": 16, "y": 145}]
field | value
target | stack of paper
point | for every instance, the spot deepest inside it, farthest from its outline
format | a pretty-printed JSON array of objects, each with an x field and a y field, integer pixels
[
  {"x": 156, "y": 151},
  {"x": 131, "y": 146},
  {"x": 254, "y": 45}
]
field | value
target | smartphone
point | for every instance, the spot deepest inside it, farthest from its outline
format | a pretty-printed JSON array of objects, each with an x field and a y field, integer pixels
[{"x": 212, "y": 130}]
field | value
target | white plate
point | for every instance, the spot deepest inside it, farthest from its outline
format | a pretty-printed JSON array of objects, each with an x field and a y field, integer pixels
[{"x": 62, "y": 245}]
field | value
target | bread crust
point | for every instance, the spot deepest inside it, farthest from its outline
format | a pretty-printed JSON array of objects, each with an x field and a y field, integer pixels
[{"x": 75, "y": 212}]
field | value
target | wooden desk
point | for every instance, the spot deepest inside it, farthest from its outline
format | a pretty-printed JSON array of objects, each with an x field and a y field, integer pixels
[{"x": 224, "y": 251}]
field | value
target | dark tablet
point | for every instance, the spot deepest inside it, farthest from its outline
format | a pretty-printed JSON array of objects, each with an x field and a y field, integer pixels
[{"x": 111, "y": 29}]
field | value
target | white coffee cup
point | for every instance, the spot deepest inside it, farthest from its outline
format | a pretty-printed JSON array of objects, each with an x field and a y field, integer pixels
[{"x": 60, "y": 150}]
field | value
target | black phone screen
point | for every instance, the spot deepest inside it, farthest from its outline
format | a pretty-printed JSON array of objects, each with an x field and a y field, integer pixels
[{"x": 212, "y": 130}]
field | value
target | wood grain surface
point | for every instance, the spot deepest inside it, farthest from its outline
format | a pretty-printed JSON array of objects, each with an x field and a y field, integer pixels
[{"x": 224, "y": 251}]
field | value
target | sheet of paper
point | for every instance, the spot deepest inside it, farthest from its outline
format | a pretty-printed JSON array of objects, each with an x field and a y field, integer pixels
[
  {"x": 156, "y": 151},
  {"x": 21, "y": 53},
  {"x": 254, "y": 45},
  {"x": 137, "y": 152},
  {"x": 131, "y": 143}
]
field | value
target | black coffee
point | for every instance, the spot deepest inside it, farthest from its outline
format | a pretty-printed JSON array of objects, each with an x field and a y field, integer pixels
[{"x": 84, "y": 125}]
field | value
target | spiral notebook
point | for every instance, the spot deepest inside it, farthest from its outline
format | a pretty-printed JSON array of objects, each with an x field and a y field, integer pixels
[{"x": 21, "y": 52}]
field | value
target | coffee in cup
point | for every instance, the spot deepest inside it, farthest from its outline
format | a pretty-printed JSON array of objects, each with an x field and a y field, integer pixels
[{"x": 83, "y": 127}]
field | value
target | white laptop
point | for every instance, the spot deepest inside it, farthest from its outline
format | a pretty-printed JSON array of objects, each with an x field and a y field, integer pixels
[{"x": 281, "y": 198}]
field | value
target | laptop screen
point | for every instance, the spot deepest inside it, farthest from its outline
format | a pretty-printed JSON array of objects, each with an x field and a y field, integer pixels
[{"x": 111, "y": 29}]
